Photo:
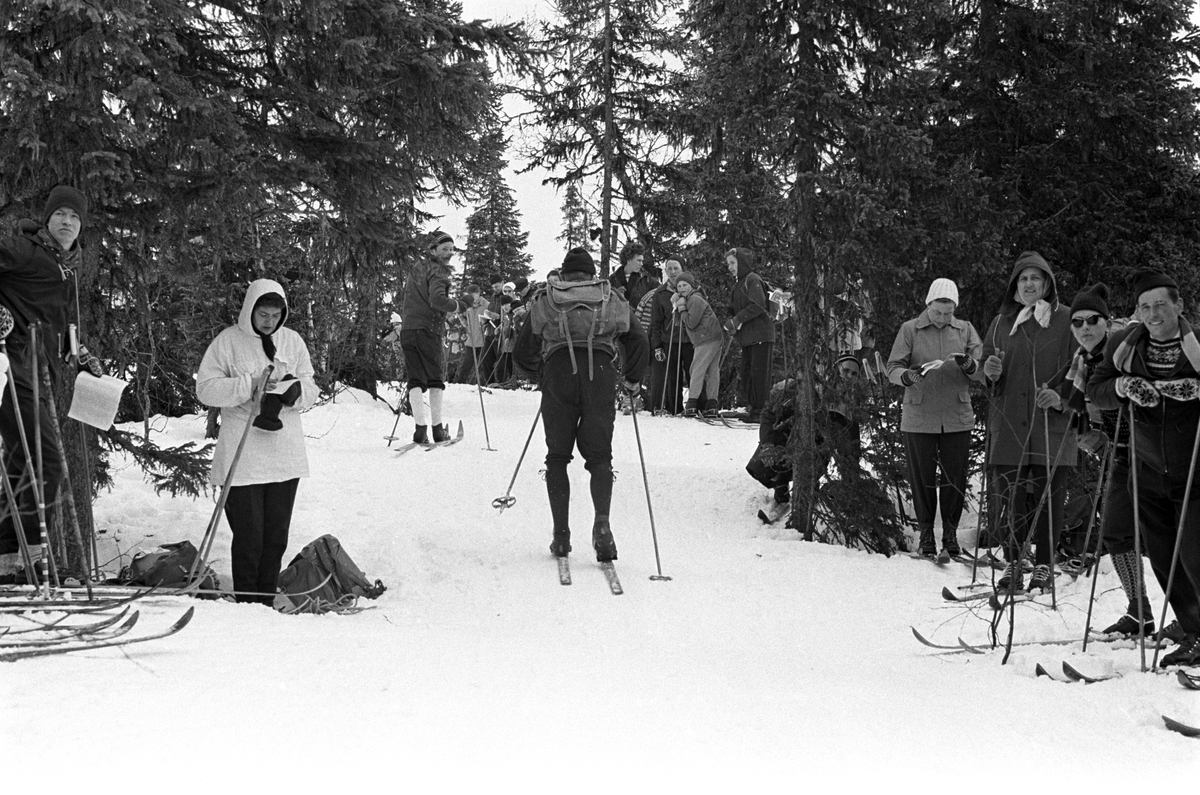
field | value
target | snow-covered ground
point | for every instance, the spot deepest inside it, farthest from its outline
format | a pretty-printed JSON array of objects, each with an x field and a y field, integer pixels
[{"x": 764, "y": 660}]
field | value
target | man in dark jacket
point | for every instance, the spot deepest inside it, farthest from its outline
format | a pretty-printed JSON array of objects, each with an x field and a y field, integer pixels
[
  {"x": 579, "y": 385},
  {"x": 753, "y": 328},
  {"x": 632, "y": 280},
  {"x": 423, "y": 326},
  {"x": 1155, "y": 366},
  {"x": 37, "y": 285}
]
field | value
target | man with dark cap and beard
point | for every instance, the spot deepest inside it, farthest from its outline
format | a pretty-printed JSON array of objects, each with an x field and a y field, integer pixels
[
  {"x": 1155, "y": 366},
  {"x": 578, "y": 383},
  {"x": 37, "y": 286},
  {"x": 427, "y": 301}
]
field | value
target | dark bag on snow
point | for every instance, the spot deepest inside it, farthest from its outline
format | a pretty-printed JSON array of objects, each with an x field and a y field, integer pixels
[
  {"x": 323, "y": 578},
  {"x": 168, "y": 567}
]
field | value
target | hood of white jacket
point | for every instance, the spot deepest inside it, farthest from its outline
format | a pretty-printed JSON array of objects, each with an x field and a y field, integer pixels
[{"x": 257, "y": 289}]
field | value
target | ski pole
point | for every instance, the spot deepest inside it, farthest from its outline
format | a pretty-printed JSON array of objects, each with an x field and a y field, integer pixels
[
  {"x": 36, "y": 475},
  {"x": 662, "y": 403},
  {"x": 479, "y": 386},
  {"x": 210, "y": 532},
  {"x": 1101, "y": 489},
  {"x": 1137, "y": 539},
  {"x": 649, "y": 508},
  {"x": 507, "y": 501},
  {"x": 1187, "y": 492},
  {"x": 67, "y": 488},
  {"x": 392, "y": 436}
]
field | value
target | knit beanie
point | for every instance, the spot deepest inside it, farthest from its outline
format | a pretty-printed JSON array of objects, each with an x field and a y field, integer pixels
[
  {"x": 1149, "y": 278},
  {"x": 688, "y": 277},
  {"x": 65, "y": 196},
  {"x": 520, "y": 284},
  {"x": 942, "y": 290},
  {"x": 439, "y": 237},
  {"x": 1094, "y": 298},
  {"x": 578, "y": 260}
]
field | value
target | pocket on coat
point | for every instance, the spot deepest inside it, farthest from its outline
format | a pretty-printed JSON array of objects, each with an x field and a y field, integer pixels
[
  {"x": 966, "y": 412},
  {"x": 913, "y": 396}
]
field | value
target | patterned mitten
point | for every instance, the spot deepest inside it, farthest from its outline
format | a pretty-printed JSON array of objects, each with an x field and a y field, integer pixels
[
  {"x": 1179, "y": 389},
  {"x": 1139, "y": 390}
]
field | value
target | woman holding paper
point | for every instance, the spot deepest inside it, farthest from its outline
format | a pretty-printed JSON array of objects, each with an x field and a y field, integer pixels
[
  {"x": 933, "y": 357},
  {"x": 262, "y": 490}
]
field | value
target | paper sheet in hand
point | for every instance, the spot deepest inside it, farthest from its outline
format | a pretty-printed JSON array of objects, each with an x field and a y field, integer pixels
[
  {"x": 935, "y": 364},
  {"x": 96, "y": 400}
]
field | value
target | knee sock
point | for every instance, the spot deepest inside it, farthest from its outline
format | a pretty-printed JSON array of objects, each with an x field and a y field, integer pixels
[
  {"x": 1126, "y": 564},
  {"x": 416, "y": 400},
  {"x": 558, "y": 489},
  {"x": 601, "y": 487},
  {"x": 435, "y": 406}
]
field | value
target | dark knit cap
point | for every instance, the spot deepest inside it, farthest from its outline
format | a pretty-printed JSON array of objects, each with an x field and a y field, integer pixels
[
  {"x": 521, "y": 283},
  {"x": 1148, "y": 279},
  {"x": 689, "y": 277},
  {"x": 65, "y": 196},
  {"x": 578, "y": 260},
  {"x": 438, "y": 238},
  {"x": 1094, "y": 298}
]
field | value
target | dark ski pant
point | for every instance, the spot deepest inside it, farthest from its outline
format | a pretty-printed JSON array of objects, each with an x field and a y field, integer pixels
[
  {"x": 260, "y": 515},
  {"x": 15, "y": 469},
  {"x": 927, "y": 454},
  {"x": 1016, "y": 492},
  {"x": 668, "y": 377},
  {"x": 578, "y": 412},
  {"x": 423, "y": 361},
  {"x": 1117, "y": 507},
  {"x": 754, "y": 376},
  {"x": 1160, "y": 500}
]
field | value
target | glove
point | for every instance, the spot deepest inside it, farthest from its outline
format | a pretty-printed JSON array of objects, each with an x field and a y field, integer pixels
[
  {"x": 968, "y": 365},
  {"x": 660, "y": 355},
  {"x": 1179, "y": 389},
  {"x": 731, "y": 326},
  {"x": 1047, "y": 398},
  {"x": 1139, "y": 390},
  {"x": 993, "y": 367},
  {"x": 911, "y": 376},
  {"x": 89, "y": 363},
  {"x": 632, "y": 387}
]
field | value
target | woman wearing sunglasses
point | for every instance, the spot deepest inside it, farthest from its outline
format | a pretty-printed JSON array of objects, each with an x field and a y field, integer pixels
[{"x": 1090, "y": 324}]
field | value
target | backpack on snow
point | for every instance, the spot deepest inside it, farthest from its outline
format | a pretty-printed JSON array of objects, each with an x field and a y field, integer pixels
[
  {"x": 574, "y": 311},
  {"x": 168, "y": 567},
  {"x": 322, "y": 579}
]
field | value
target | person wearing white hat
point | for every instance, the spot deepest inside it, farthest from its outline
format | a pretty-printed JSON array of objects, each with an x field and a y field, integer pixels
[{"x": 934, "y": 357}]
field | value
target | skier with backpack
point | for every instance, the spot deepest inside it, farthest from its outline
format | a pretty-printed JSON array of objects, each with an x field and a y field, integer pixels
[{"x": 572, "y": 340}]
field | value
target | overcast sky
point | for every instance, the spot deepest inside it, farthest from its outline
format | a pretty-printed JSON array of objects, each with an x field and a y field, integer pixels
[{"x": 540, "y": 206}]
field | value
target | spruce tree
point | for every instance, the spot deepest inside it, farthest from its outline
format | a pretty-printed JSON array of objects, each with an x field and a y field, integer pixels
[{"x": 495, "y": 242}]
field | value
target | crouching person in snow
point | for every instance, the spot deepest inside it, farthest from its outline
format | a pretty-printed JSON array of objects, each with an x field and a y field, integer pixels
[
  {"x": 262, "y": 489},
  {"x": 572, "y": 338}
]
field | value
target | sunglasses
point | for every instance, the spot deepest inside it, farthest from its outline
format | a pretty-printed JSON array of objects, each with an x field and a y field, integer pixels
[{"x": 1078, "y": 322}]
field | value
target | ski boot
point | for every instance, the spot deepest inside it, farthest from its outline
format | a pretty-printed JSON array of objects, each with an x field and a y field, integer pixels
[{"x": 602, "y": 540}]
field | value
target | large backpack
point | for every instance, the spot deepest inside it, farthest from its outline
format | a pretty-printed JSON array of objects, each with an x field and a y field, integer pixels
[
  {"x": 323, "y": 579},
  {"x": 574, "y": 312},
  {"x": 168, "y": 567}
]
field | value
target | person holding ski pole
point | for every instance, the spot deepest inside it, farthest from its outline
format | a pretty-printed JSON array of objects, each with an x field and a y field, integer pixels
[
  {"x": 266, "y": 475},
  {"x": 423, "y": 327},
  {"x": 673, "y": 351},
  {"x": 1155, "y": 365},
  {"x": 704, "y": 332},
  {"x": 1090, "y": 323},
  {"x": 1027, "y": 351},
  {"x": 38, "y": 287},
  {"x": 934, "y": 357},
  {"x": 575, "y": 330}
]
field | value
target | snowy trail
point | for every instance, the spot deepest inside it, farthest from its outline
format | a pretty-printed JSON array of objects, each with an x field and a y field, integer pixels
[{"x": 765, "y": 660}]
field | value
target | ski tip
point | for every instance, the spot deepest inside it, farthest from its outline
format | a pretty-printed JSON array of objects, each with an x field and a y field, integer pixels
[
  {"x": 184, "y": 619},
  {"x": 1040, "y": 670},
  {"x": 949, "y": 595},
  {"x": 1182, "y": 728}
]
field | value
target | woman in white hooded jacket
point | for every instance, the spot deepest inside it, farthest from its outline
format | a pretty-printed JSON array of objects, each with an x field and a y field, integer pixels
[{"x": 263, "y": 489}]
